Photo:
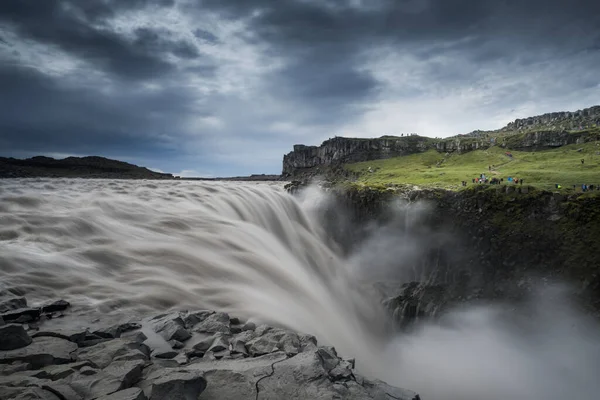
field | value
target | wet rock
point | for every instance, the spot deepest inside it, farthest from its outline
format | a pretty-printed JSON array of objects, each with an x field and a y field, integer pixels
[
  {"x": 167, "y": 354},
  {"x": 195, "y": 317},
  {"x": 54, "y": 372},
  {"x": 170, "y": 327},
  {"x": 74, "y": 335},
  {"x": 59, "y": 305},
  {"x": 176, "y": 344},
  {"x": 2, "y": 323},
  {"x": 62, "y": 391},
  {"x": 86, "y": 371},
  {"x": 101, "y": 355},
  {"x": 116, "y": 331},
  {"x": 273, "y": 340},
  {"x": 127, "y": 394},
  {"x": 178, "y": 384},
  {"x": 220, "y": 343},
  {"x": 12, "y": 368},
  {"x": 13, "y": 336},
  {"x": 239, "y": 347},
  {"x": 119, "y": 375},
  {"x": 42, "y": 352},
  {"x": 249, "y": 326},
  {"x": 13, "y": 304},
  {"x": 21, "y": 315},
  {"x": 214, "y": 323},
  {"x": 30, "y": 393},
  {"x": 200, "y": 348}
]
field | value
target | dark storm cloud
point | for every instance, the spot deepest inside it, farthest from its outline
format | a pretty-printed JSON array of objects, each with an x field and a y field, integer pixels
[
  {"x": 80, "y": 28},
  {"x": 43, "y": 114},
  {"x": 326, "y": 56}
]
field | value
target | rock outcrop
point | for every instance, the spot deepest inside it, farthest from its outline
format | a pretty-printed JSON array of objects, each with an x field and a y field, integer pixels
[
  {"x": 482, "y": 244},
  {"x": 341, "y": 150},
  {"x": 563, "y": 120},
  {"x": 213, "y": 356},
  {"x": 535, "y": 133},
  {"x": 75, "y": 167}
]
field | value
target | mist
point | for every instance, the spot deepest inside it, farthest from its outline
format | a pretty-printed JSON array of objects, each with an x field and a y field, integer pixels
[{"x": 259, "y": 253}]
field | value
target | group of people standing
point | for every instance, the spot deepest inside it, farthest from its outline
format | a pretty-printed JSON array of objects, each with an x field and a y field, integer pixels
[{"x": 494, "y": 181}]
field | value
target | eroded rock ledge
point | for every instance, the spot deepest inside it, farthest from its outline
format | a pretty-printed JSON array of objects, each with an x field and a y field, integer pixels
[{"x": 180, "y": 355}]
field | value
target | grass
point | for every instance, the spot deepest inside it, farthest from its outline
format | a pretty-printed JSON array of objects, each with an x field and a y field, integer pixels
[{"x": 541, "y": 169}]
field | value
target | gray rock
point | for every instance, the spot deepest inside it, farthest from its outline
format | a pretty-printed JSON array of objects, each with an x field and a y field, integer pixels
[
  {"x": 127, "y": 394},
  {"x": 167, "y": 354},
  {"x": 17, "y": 366},
  {"x": 63, "y": 391},
  {"x": 101, "y": 355},
  {"x": 13, "y": 336},
  {"x": 2, "y": 323},
  {"x": 74, "y": 335},
  {"x": 195, "y": 317},
  {"x": 176, "y": 344},
  {"x": 202, "y": 346},
  {"x": 42, "y": 352},
  {"x": 249, "y": 326},
  {"x": 214, "y": 323},
  {"x": 239, "y": 347},
  {"x": 54, "y": 372},
  {"x": 178, "y": 384},
  {"x": 59, "y": 305},
  {"x": 116, "y": 331},
  {"x": 220, "y": 343},
  {"x": 119, "y": 375},
  {"x": 86, "y": 371},
  {"x": 21, "y": 315},
  {"x": 13, "y": 304},
  {"x": 170, "y": 327},
  {"x": 30, "y": 393}
]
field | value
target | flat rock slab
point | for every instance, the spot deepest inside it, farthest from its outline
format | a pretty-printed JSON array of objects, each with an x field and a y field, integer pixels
[
  {"x": 13, "y": 336},
  {"x": 127, "y": 394},
  {"x": 102, "y": 354},
  {"x": 177, "y": 384},
  {"x": 42, "y": 352},
  {"x": 22, "y": 315}
]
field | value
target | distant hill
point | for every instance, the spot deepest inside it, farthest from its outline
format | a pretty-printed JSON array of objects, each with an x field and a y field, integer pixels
[{"x": 75, "y": 167}]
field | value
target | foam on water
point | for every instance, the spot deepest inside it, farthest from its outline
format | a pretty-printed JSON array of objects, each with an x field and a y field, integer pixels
[{"x": 253, "y": 250}]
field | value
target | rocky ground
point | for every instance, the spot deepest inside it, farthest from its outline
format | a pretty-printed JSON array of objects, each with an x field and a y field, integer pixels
[{"x": 51, "y": 352}]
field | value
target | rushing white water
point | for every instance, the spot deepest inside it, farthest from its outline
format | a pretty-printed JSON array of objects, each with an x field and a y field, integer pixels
[{"x": 251, "y": 249}]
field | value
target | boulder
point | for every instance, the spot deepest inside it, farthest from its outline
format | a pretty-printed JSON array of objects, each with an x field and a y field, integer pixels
[
  {"x": 214, "y": 323},
  {"x": 21, "y": 315},
  {"x": 59, "y": 305},
  {"x": 13, "y": 336},
  {"x": 195, "y": 317},
  {"x": 170, "y": 327},
  {"x": 119, "y": 375},
  {"x": 26, "y": 393},
  {"x": 116, "y": 331},
  {"x": 178, "y": 384},
  {"x": 13, "y": 304},
  {"x": 74, "y": 335},
  {"x": 42, "y": 352},
  {"x": 62, "y": 391},
  {"x": 220, "y": 343},
  {"x": 166, "y": 354},
  {"x": 102, "y": 354}
]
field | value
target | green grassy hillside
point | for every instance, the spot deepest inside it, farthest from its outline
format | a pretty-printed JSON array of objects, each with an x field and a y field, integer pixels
[{"x": 542, "y": 169}]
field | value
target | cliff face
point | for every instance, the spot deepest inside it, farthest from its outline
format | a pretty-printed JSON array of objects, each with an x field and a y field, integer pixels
[
  {"x": 346, "y": 150},
  {"x": 474, "y": 245},
  {"x": 558, "y": 120},
  {"x": 75, "y": 167},
  {"x": 529, "y": 134}
]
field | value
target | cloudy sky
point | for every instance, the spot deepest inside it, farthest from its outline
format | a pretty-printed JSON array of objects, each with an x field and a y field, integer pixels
[{"x": 226, "y": 87}]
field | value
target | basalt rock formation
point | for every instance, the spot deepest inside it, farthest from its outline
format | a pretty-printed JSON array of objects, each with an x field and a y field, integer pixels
[
  {"x": 75, "y": 167},
  {"x": 177, "y": 355},
  {"x": 530, "y": 134},
  {"x": 481, "y": 244}
]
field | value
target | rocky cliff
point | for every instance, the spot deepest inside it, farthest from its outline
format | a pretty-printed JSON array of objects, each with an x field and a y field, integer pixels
[
  {"x": 75, "y": 167},
  {"x": 476, "y": 245},
  {"x": 530, "y": 134},
  {"x": 563, "y": 120},
  {"x": 341, "y": 150}
]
